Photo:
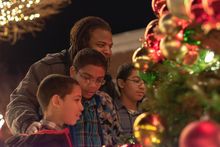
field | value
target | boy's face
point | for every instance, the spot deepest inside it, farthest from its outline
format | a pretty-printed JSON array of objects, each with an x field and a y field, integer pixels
[
  {"x": 71, "y": 106},
  {"x": 90, "y": 78},
  {"x": 101, "y": 40},
  {"x": 133, "y": 87}
]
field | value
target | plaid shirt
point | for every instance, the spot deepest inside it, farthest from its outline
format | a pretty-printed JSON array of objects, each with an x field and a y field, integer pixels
[
  {"x": 98, "y": 124},
  {"x": 126, "y": 118}
]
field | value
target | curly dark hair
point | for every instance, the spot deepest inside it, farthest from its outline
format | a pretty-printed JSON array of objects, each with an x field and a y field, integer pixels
[{"x": 81, "y": 31}]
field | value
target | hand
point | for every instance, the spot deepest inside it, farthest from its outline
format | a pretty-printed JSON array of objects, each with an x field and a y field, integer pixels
[{"x": 34, "y": 128}]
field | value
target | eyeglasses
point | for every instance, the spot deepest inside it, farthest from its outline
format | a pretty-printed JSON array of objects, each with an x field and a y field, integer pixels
[
  {"x": 137, "y": 81},
  {"x": 88, "y": 79}
]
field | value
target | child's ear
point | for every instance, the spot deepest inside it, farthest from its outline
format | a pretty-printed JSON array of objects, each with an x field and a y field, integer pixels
[
  {"x": 56, "y": 100},
  {"x": 72, "y": 71},
  {"x": 121, "y": 83}
]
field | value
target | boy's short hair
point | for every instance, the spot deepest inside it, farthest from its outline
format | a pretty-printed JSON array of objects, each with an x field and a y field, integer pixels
[
  {"x": 54, "y": 84},
  {"x": 124, "y": 71},
  {"x": 88, "y": 56}
]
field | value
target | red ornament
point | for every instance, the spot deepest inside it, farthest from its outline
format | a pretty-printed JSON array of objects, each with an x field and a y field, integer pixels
[
  {"x": 200, "y": 134},
  {"x": 157, "y": 5},
  {"x": 155, "y": 55},
  {"x": 212, "y": 7},
  {"x": 198, "y": 13},
  {"x": 152, "y": 43}
]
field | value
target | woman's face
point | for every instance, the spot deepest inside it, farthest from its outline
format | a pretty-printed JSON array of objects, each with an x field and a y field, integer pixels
[{"x": 101, "y": 40}]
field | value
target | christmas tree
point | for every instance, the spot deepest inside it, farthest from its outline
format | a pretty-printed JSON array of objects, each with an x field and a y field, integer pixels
[{"x": 180, "y": 62}]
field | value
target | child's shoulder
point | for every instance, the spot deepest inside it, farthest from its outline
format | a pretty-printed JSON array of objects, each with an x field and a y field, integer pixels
[
  {"x": 104, "y": 98},
  {"x": 103, "y": 95}
]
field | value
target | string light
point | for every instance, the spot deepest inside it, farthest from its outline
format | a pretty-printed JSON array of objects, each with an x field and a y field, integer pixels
[
  {"x": 16, "y": 15},
  {"x": 17, "y": 11}
]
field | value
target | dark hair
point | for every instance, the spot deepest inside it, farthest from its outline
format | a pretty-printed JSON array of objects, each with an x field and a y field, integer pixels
[
  {"x": 54, "y": 84},
  {"x": 89, "y": 56},
  {"x": 81, "y": 32},
  {"x": 124, "y": 71}
]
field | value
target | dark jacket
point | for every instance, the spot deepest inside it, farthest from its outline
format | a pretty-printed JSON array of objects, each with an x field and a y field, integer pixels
[
  {"x": 44, "y": 138},
  {"x": 24, "y": 108}
]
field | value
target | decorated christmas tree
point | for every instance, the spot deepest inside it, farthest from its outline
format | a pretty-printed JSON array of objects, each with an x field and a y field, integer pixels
[{"x": 180, "y": 62}]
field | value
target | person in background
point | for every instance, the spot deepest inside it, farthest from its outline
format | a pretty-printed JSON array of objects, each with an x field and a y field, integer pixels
[
  {"x": 99, "y": 123},
  {"x": 132, "y": 90},
  {"x": 23, "y": 112},
  {"x": 60, "y": 99}
]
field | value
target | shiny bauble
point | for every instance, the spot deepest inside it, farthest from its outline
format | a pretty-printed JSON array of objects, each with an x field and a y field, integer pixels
[
  {"x": 168, "y": 24},
  {"x": 157, "y": 5},
  {"x": 148, "y": 129},
  {"x": 179, "y": 8},
  {"x": 173, "y": 49},
  {"x": 141, "y": 60},
  {"x": 212, "y": 7},
  {"x": 152, "y": 41},
  {"x": 150, "y": 27},
  {"x": 198, "y": 13},
  {"x": 204, "y": 133}
]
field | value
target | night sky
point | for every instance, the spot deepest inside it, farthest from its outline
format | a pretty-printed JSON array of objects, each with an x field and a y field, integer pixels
[{"x": 122, "y": 16}]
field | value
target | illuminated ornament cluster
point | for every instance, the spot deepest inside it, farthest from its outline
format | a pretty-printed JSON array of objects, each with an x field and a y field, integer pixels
[
  {"x": 148, "y": 129},
  {"x": 22, "y": 16},
  {"x": 174, "y": 34}
]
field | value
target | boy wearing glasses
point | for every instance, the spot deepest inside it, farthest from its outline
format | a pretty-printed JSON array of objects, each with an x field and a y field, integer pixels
[
  {"x": 98, "y": 124},
  {"x": 132, "y": 90}
]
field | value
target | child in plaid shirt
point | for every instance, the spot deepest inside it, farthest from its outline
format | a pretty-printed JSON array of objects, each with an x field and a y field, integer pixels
[
  {"x": 99, "y": 123},
  {"x": 132, "y": 91}
]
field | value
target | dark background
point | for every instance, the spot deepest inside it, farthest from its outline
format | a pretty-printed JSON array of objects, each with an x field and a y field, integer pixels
[{"x": 122, "y": 16}]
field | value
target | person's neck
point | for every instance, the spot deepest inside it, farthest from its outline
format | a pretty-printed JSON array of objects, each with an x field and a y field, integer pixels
[
  {"x": 128, "y": 103},
  {"x": 54, "y": 118}
]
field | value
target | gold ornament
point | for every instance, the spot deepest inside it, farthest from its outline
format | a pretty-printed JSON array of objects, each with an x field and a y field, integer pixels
[
  {"x": 150, "y": 27},
  {"x": 140, "y": 59},
  {"x": 173, "y": 49},
  {"x": 180, "y": 8},
  {"x": 168, "y": 24},
  {"x": 148, "y": 129}
]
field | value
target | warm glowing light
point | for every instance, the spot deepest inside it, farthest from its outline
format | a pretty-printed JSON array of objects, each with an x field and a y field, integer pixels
[
  {"x": 2, "y": 121},
  {"x": 15, "y": 16},
  {"x": 209, "y": 57},
  {"x": 154, "y": 139}
]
